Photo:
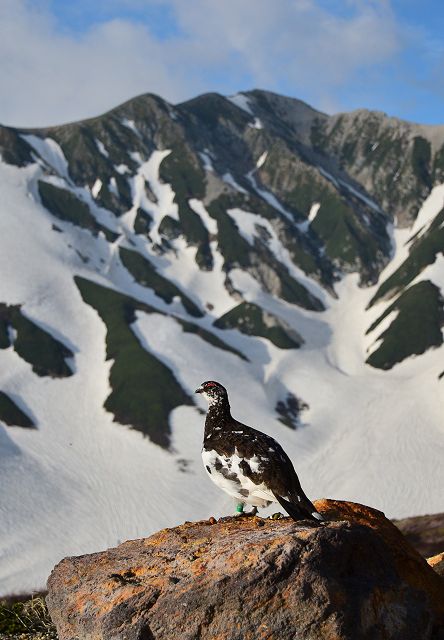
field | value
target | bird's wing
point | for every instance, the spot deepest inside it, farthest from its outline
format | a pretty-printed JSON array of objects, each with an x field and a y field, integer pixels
[{"x": 265, "y": 462}]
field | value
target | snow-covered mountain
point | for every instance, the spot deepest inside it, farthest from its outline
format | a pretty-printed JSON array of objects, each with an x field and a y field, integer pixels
[{"x": 294, "y": 257}]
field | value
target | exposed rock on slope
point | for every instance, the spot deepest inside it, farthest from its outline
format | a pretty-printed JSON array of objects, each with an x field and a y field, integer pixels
[{"x": 356, "y": 577}]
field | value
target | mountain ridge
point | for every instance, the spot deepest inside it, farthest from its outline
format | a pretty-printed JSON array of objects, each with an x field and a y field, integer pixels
[{"x": 249, "y": 239}]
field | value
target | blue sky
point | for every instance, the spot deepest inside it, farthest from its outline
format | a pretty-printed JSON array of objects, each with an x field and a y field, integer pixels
[{"x": 62, "y": 60}]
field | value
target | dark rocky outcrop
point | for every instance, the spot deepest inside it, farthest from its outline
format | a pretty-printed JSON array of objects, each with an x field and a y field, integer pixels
[
  {"x": 425, "y": 533},
  {"x": 354, "y": 578}
]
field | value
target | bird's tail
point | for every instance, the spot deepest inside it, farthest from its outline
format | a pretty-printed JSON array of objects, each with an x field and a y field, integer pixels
[{"x": 300, "y": 508}]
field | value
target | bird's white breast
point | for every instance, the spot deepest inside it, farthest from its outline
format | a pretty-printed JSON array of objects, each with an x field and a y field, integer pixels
[{"x": 226, "y": 473}]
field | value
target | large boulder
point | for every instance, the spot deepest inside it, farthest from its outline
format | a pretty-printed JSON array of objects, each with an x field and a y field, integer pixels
[{"x": 249, "y": 579}]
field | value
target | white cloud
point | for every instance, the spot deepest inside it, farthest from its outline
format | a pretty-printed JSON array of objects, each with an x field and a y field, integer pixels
[
  {"x": 293, "y": 42},
  {"x": 49, "y": 76}
]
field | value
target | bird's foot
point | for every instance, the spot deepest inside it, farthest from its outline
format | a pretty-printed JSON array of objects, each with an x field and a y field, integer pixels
[
  {"x": 246, "y": 514},
  {"x": 239, "y": 509}
]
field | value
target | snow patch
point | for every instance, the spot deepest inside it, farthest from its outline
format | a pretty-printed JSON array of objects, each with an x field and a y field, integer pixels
[
  {"x": 206, "y": 159},
  {"x": 50, "y": 152},
  {"x": 304, "y": 226},
  {"x": 268, "y": 197},
  {"x": 380, "y": 329},
  {"x": 113, "y": 187},
  {"x": 96, "y": 188},
  {"x": 122, "y": 169},
  {"x": 241, "y": 101},
  {"x": 248, "y": 224},
  {"x": 149, "y": 172},
  {"x": 261, "y": 160},
  {"x": 370, "y": 203},
  {"x": 329, "y": 177},
  {"x": 198, "y": 207},
  {"x": 313, "y": 211},
  {"x": 130, "y": 124},
  {"x": 228, "y": 178},
  {"x": 207, "y": 287},
  {"x": 101, "y": 147},
  {"x": 429, "y": 210},
  {"x": 257, "y": 124}
]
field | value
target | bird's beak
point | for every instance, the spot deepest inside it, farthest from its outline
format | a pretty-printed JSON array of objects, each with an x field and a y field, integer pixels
[{"x": 199, "y": 389}]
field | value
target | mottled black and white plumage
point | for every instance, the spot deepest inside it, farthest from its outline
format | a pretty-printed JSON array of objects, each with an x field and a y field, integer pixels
[{"x": 247, "y": 464}]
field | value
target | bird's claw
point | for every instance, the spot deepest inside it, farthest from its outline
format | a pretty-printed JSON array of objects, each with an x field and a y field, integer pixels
[{"x": 246, "y": 514}]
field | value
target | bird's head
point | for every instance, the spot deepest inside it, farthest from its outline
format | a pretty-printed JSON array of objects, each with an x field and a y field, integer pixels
[{"x": 214, "y": 392}]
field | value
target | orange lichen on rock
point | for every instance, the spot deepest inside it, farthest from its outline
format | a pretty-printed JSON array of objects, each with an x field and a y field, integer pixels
[{"x": 437, "y": 562}]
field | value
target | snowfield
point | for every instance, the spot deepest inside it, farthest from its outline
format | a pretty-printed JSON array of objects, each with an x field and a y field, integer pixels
[{"x": 80, "y": 482}]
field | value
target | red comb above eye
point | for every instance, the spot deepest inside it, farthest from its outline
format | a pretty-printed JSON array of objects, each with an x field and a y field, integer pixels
[{"x": 211, "y": 384}]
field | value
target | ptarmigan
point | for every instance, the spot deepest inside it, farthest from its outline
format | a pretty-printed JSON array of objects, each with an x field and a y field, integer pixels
[{"x": 247, "y": 464}]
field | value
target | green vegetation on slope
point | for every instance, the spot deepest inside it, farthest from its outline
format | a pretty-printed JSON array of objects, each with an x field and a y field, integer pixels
[
  {"x": 351, "y": 236},
  {"x": 145, "y": 274},
  {"x": 44, "y": 353},
  {"x": 144, "y": 390},
  {"x": 66, "y": 206},
  {"x": 304, "y": 251},
  {"x": 421, "y": 157},
  {"x": 231, "y": 244},
  {"x": 11, "y": 414},
  {"x": 422, "y": 253},
  {"x": 87, "y": 164},
  {"x": 250, "y": 319},
  {"x": 348, "y": 241},
  {"x": 396, "y": 165},
  {"x": 187, "y": 180},
  {"x": 295, "y": 183},
  {"x": 416, "y": 328}
]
